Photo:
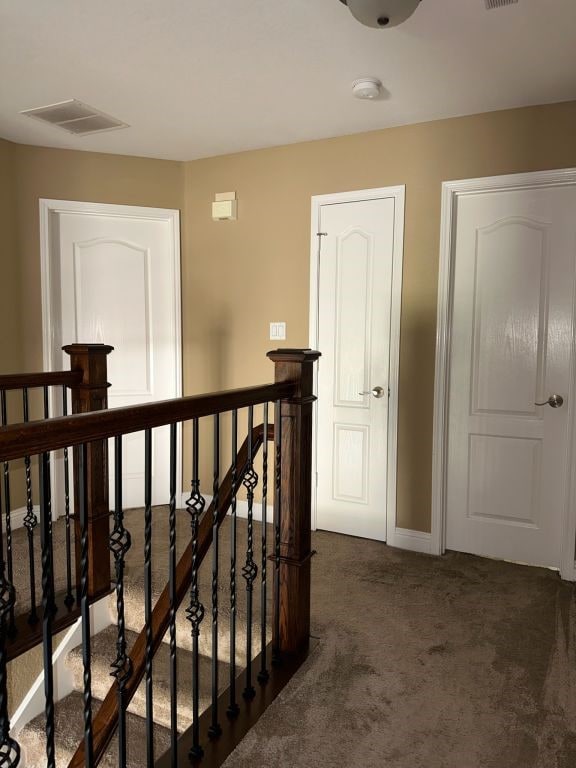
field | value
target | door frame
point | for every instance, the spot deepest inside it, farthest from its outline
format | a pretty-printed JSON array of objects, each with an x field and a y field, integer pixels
[
  {"x": 398, "y": 193},
  {"x": 48, "y": 211},
  {"x": 451, "y": 192}
]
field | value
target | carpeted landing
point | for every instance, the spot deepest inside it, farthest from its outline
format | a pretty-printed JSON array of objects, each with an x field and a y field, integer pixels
[{"x": 421, "y": 662}]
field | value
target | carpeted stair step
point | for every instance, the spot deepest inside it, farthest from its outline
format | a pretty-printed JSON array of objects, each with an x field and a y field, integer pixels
[
  {"x": 134, "y": 584},
  {"x": 104, "y": 652},
  {"x": 69, "y": 730}
]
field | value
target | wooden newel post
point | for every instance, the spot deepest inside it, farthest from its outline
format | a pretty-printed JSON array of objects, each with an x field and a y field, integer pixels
[
  {"x": 92, "y": 395},
  {"x": 293, "y": 633}
]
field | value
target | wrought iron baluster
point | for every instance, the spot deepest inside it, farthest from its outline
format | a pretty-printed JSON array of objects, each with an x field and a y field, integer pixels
[
  {"x": 172, "y": 591},
  {"x": 30, "y": 519},
  {"x": 233, "y": 708},
  {"x": 120, "y": 542},
  {"x": 195, "y": 613},
  {"x": 263, "y": 675},
  {"x": 148, "y": 594},
  {"x": 215, "y": 729},
  {"x": 69, "y": 599},
  {"x": 47, "y": 603},
  {"x": 46, "y": 398},
  {"x": 9, "y": 748},
  {"x": 277, "y": 525},
  {"x": 250, "y": 569},
  {"x": 85, "y": 605},
  {"x": 8, "y": 515}
]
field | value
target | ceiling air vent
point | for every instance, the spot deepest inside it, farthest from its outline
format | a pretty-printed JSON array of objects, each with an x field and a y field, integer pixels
[
  {"x": 75, "y": 117},
  {"x": 490, "y": 4}
]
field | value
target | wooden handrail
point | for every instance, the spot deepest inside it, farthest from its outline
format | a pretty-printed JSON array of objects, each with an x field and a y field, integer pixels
[
  {"x": 18, "y": 440},
  {"x": 105, "y": 720},
  {"x": 31, "y": 380}
]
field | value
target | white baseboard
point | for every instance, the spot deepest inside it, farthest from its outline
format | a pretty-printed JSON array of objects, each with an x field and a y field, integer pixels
[
  {"x": 33, "y": 703},
  {"x": 241, "y": 508},
  {"x": 414, "y": 541}
]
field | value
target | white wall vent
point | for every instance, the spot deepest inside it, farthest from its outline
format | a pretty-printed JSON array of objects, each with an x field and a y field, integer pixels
[
  {"x": 75, "y": 117},
  {"x": 490, "y": 4}
]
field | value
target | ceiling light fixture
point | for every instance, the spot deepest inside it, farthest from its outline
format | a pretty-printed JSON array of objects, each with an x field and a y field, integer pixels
[
  {"x": 367, "y": 88},
  {"x": 381, "y": 14}
]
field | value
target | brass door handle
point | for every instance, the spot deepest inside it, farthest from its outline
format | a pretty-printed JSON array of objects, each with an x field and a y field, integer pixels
[{"x": 554, "y": 401}]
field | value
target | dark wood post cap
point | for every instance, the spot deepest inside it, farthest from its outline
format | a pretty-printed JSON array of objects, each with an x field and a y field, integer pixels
[
  {"x": 87, "y": 349},
  {"x": 293, "y": 355}
]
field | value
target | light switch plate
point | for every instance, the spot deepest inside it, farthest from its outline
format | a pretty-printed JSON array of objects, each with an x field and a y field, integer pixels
[{"x": 277, "y": 331}]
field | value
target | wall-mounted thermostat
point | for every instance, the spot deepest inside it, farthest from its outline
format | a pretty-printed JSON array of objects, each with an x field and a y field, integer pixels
[{"x": 224, "y": 207}]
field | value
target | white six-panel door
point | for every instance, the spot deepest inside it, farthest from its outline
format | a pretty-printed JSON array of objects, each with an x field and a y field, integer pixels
[
  {"x": 512, "y": 347},
  {"x": 354, "y": 311},
  {"x": 114, "y": 278}
]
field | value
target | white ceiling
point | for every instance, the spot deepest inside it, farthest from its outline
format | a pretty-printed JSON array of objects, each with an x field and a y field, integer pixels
[{"x": 195, "y": 78}]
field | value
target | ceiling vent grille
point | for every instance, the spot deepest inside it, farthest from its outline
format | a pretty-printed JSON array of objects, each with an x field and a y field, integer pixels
[
  {"x": 491, "y": 4},
  {"x": 75, "y": 117}
]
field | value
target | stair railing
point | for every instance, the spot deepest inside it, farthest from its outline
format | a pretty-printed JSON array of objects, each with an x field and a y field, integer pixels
[
  {"x": 32, "y": 396},
  {"x": 289, "y": 554}
]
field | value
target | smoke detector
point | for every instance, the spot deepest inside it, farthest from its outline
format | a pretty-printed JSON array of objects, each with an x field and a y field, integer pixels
[
  {"x": 75, "y": 117},
  {"x": 381, "y": 14},
  {"x": 367, "y": 88}
]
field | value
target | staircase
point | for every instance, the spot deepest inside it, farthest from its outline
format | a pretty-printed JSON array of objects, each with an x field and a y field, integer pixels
[
  {"x": 69, "y": 711},
  {"x": 186, "y": 617}
]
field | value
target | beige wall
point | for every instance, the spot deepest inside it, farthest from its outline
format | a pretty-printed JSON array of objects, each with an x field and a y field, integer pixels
[
  {"x": 239, "y": 275},
  {"x": 10, "y": 356},
  {"x": 87, "y": 176}
]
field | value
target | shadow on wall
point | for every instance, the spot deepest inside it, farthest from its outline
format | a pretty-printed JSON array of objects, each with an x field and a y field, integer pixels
[
  {"x": 415, "y": 418},
  {"x": 208, "y": 371}
]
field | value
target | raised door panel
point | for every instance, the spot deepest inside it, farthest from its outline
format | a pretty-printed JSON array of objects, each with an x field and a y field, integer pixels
[
  {"x": 510, "y": 297},
  {"x": 112, "y": 291},
  {"x": 352, "y": 317}
]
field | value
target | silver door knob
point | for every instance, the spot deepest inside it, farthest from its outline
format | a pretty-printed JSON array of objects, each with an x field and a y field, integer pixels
[
  {"x": 375, "y": 392},
  {"x": 554, "y": 401}
]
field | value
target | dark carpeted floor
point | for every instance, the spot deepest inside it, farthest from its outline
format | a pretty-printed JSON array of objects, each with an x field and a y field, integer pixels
[
  {"x": 422, "y": 662},
  {"x": 452, "y": 662}
]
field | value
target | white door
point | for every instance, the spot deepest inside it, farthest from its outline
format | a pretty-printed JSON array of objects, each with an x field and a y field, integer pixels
[
  {"x": 115, "y": 277},
  {"x": 354, "y": 310},
  {"x": 512, "y": 347}
]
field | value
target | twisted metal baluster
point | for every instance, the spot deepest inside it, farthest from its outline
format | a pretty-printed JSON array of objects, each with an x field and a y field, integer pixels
[
  {"x": 120, "y": 542},
  {"x": 173, "y": 605},
  {"x": 250, "y": 569},
  {"x": 277, "y": 526},
  {"x": 215, "y": 729},
  {"x": 148, "y": 594},
  {"x": 233, "y": 708},
  {"x": 30, "y": 520},
  {"x": 50, "y": 539},
  {"x": 195, "y": 613},
  {"x": 85, "y": 606},
  {"x": 8, "y": 511},
  {"x": 47, "y": 602},
  {"x": 69, "y": 599},
  {"x": 9, "y": 748},
  {"x": 263, "y": 675}
]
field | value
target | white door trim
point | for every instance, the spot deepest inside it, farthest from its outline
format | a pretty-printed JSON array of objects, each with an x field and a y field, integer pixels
[
  {"x": 47, "y": 210},
  {"x": 451, "y": 191},
  {"x": 399, "y": 195}
]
